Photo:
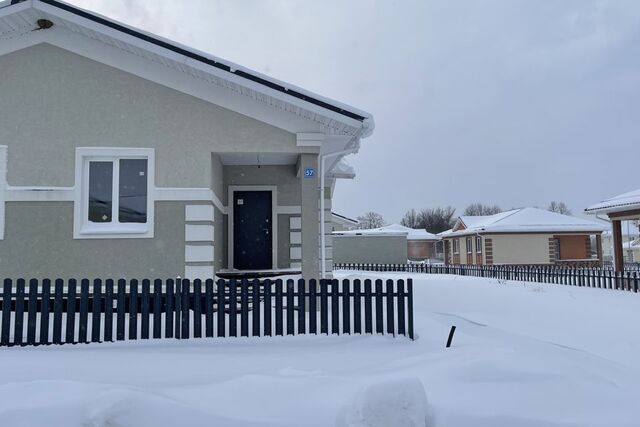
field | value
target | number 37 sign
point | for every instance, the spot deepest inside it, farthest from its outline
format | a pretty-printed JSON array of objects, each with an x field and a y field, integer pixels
[{"x": 309, "y": 172}]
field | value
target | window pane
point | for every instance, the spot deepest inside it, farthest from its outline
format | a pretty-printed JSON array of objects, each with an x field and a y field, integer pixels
[
  {"x": 100, "y": 191},
  {"x": 133, "y": 190}
]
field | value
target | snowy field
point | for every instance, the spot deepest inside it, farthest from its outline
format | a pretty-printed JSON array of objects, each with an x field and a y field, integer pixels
[{"x": 523, "y": 355}]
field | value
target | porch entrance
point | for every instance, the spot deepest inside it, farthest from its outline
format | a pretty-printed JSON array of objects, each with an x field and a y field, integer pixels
[{"x": 252, "y": 230}]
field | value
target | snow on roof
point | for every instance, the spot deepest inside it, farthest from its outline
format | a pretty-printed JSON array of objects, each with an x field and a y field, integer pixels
[
  {"x": 621, "y": 202},
  {"x": 342, "y": 169},
  {"x": 525, "y": 220},
  {"x": 392, "y": 229}
]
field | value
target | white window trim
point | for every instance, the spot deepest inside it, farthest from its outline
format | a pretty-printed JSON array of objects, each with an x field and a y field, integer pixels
[
  {"x": 81, "y": 227},
  {"x": 478, "y": 245},
  {"x": 469, "y": 245},
  {"x": 3, "y": 186},
  {"x": 274, "y": 219}
]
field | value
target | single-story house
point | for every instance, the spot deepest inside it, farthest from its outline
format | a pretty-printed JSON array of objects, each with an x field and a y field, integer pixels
[
  {"x": 391, "y": 244},
  {"x": 129, "y": 155},
  {"x": 623, "y": 207},
  {"x": 343, "y": 223},
  {"x": 526, "y": 236}
]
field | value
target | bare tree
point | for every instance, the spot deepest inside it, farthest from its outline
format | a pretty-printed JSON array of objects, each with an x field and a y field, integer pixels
[
  {"x": 476, "y": 209},
  {"x": 436, "y": 220},
  {"x": 411, "y": 219},
  {"x": 370, "y": 220},
  {"x": 559, "y": 207}
]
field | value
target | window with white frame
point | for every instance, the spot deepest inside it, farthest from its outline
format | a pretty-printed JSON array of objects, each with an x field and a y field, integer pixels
[
  {"x": 478, "y": 244},
  {"x": 469, "y": 245},
  {"x": 114, "y": 192},
  {"x": 456, "y": 246}
]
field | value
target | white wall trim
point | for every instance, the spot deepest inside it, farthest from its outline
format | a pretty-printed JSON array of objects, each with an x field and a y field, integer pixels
[
  {"x": 67, "y": 194},
  {"x": 198, "y": 213},
  {"x": 198, "y": 253},
  {"x": 295, "y": 237},
  {"x": 171, "y": 194},
  {"x": 202, "y": 272},
  {"x": 308, "y": 139},
  {"x": 274, "y": 219},
  {"x": 40, "y": 194},
  {"x": 289, "y": 210},
  {"x": 3, "y": 186},
  {"x": 198, "y": 233},
  {"x": 295, "y": 223}
]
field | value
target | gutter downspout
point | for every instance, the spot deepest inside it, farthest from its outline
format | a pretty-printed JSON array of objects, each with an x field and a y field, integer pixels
[
  {"x": 367, "y": 128},
  {"x": 323, "y": 242}
]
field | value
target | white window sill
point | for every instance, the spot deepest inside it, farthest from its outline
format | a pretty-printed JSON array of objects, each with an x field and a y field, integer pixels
[{"x": 115, "y": 231}]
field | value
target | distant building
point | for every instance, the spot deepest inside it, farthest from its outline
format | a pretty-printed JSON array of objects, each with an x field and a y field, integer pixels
[
  {"x": 391, "y": 244},
  {"x": 343, "y": 223},
  {"x": 528, "y": 236}
]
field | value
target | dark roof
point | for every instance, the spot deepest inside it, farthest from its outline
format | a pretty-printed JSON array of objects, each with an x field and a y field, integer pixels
[
  {"x": 200, "y": 58},
  {"x": 344, "y": 217}
]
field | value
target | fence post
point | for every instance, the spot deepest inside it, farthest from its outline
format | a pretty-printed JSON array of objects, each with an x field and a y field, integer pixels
[
  {"x": 46, "y": 310},
  {"x": 410, "y": 307},
  {"x": 7, "y": 287},
  {"x": 31, "y": 311}
]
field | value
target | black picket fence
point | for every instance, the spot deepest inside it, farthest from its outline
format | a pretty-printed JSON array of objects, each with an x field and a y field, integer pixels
[
  {"x": 628, "y": 266},
  {"x": 62, "y": 312},
  {"x": 587, "y": 277}
]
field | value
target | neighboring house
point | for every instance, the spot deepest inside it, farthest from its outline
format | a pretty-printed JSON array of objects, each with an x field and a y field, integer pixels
[
  {"x": 528, "y": 236},
  {"x": 623, "y": 207},
  {"x": 128, "y": 155},
  {"x": 391, "y": 244},
  {"x": 343, "y": 223}
]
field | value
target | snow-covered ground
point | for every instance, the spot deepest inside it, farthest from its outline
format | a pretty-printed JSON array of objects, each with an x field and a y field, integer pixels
[{"x": 523, "y": 355}]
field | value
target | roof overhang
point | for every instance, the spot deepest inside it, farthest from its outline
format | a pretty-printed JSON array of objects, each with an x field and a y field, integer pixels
[
  {"x": 618, "y": 205},
  {"x": 177, "y": 66}
]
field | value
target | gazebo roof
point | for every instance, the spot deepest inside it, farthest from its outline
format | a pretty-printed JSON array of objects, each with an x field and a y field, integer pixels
[{"x": 621, "y": 203}]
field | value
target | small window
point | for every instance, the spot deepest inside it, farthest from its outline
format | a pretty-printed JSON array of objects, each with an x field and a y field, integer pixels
[
  {"x": 469, "y": 245},
  {"x": 456, "y": 246},
  {"x": 113, "y": 197},
  {"x": 478, "y": 244}
]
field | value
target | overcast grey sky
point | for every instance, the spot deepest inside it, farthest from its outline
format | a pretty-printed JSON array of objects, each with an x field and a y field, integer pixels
[{"x": 508, "y": 102}]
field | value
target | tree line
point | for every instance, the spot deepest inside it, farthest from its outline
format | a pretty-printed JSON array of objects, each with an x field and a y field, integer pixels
[{"x": 437, "y": 220}]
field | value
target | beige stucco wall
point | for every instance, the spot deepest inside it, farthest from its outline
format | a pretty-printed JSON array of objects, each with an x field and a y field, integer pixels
[
  {"x": 463, "y": 249},
  {"x": 520, "y": 248}
]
